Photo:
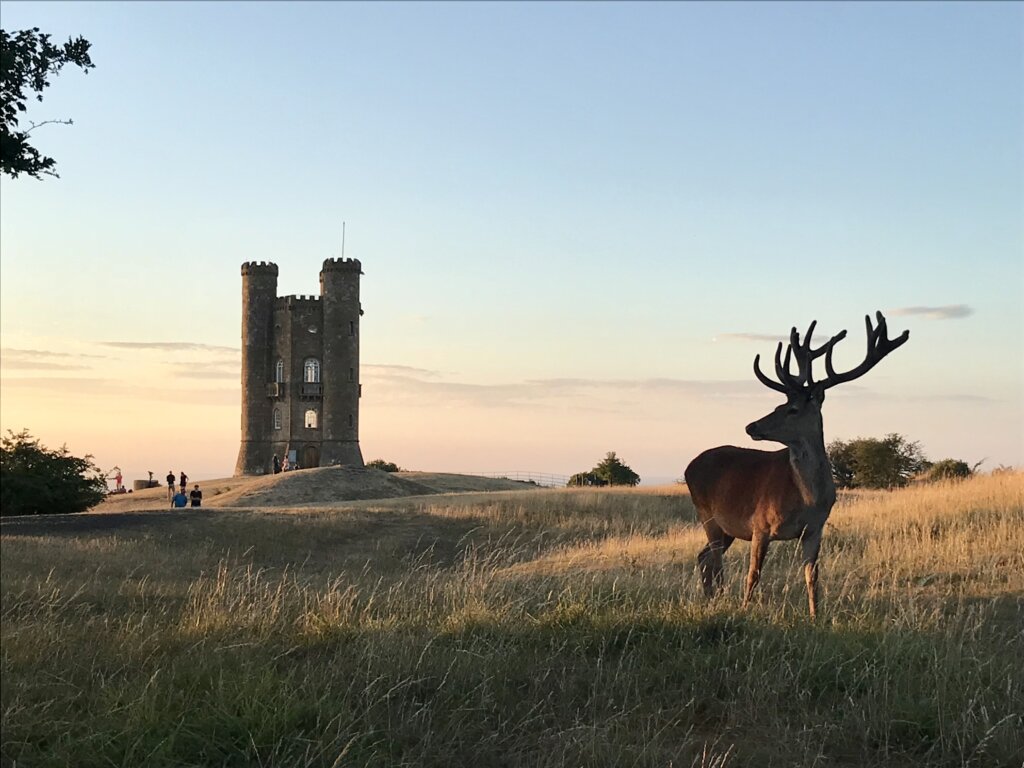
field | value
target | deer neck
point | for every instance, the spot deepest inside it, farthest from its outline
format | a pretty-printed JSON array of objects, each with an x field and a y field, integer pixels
[{"x": 812, "y": 472}]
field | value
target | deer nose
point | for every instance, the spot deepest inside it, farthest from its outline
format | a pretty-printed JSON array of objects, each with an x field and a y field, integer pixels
[{"x": 752, "y": 429}]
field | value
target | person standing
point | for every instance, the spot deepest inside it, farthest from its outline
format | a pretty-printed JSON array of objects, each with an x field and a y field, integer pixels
[
  {"x": 277, "y": 464},
  {"x": 184, "y": 479},
  {"x": 196, "y": 496},
  {"x": 179, "y": 499},
  {"x": 284, "y": 463},
  {"x": 170, "y": 484}
]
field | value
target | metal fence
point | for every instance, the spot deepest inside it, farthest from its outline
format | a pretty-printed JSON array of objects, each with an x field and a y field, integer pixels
[{"x": 546, "y": 479}]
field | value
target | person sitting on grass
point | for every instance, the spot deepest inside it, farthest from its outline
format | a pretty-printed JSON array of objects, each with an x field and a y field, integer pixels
[
  {"x": 196, "y": 496},
  {"x": 179, "y": 500}
]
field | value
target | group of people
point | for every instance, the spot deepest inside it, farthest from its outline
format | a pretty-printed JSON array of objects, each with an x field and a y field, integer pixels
[
  {"x": 179, "y": 499},
  {"x": 282, "y": 464}
]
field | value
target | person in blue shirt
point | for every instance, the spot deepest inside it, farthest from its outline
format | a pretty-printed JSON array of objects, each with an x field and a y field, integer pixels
[{"x": 179, "y": 500}]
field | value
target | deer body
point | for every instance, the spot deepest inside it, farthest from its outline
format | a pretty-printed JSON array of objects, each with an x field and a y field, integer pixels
[
  {"x": 765, "y": 496},
  {"x": 743, "y": 490}
]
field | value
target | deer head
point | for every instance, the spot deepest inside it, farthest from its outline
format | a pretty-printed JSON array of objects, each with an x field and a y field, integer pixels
[{"x": 800, "y": 416}]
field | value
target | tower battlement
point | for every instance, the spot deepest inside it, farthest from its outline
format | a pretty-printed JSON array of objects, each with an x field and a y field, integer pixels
[
  {"x": 295, "y": 301},
  {"x": 342, "y": 265},
  {"x": 259, "y": 268}
]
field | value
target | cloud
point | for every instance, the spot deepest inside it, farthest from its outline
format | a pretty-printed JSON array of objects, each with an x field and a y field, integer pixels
[
  {"x": 39, "y": 360},
  {"x": 170, "y": 346},
  {"x": 39, "y": 365},
  {"x": 948, "y": 312},
  {"x": 196, "y": 369},
  {"x": 208, "y": 373},
  {"x": 404, "y": 370},
  {"x": 109, "y": 388},
  {"x": 7, "y": 351},
  {"x": 749, "y": 337},
  {"x": 399, "y": 385}
]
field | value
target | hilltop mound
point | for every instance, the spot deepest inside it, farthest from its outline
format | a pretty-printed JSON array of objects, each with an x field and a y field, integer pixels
[{"x": 320, "y": 486}]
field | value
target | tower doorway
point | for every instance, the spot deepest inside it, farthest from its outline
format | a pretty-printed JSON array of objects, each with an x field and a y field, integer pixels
[{"x": 310, "y": 457}]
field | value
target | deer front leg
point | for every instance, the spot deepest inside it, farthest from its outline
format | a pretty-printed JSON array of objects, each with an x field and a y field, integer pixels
[
  {"x": 758, "y": 549},
  {"x": 810, "y": 542}
]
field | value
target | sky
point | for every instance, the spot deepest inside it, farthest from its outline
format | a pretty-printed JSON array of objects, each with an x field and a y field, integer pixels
[{"x": 578, "y": 223}]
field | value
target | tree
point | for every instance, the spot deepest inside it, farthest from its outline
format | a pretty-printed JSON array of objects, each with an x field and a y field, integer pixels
[
  {"x": 949, "y": 469},
  {"x": 385, "y": 466},
  {"x": 37, "y": 481},
  {"x": 27, "y": 61},
  {"x": 871, "y": 463},
  {"x": 586, "y": 479},
  {"x": 610, "y": 471}
]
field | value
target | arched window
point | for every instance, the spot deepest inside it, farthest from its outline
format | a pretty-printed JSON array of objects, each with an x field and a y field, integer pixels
[
  {"x": 311, "y": 419},
  {"x": 277, "y": 418},
  {"x": 279, "y": 372},
  {"x": 311, "y": 371}
]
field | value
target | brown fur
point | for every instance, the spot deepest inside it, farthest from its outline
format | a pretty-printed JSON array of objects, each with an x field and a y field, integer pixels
[
  {"x": 765, "y": 496},
  {"x": 760, "y": 497}
]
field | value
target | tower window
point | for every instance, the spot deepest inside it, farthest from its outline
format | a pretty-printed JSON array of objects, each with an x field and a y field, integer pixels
[
  {"x": 279, "y": 371},
  {"x": 311, "y": 371},
  {"x": 277, "y": 418},
  {"x": 311, "y": 419},
  {"x": 351, "y": 374},
  {"x": 351, "y": 328},
  {"x": 350, "y": 419}
]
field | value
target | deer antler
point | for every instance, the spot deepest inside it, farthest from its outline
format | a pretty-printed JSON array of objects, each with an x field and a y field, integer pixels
[
  {"x": 804, "y": 354},
  {"x": 879, "y": 345}
]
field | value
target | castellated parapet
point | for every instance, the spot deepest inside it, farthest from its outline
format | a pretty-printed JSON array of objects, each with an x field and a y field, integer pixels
[{"x": 300, "y": 370}]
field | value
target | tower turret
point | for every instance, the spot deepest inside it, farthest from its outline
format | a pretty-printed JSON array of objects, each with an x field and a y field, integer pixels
[
  {"x": 339, "y": 290},
  {"x": 259, "y": 292}
]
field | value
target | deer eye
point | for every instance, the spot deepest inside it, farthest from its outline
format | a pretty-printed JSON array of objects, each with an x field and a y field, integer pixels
[{"x": 793, "y": 409}]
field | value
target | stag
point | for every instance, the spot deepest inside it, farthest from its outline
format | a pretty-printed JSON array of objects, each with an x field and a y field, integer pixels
[{"x": 765, "y": 496}]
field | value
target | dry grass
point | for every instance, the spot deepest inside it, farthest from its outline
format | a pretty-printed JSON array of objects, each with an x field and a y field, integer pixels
[{"x": 540, "y": 628}]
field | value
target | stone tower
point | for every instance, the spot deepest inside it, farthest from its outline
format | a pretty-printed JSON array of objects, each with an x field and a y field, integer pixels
[{"x": 300, "y": 370}]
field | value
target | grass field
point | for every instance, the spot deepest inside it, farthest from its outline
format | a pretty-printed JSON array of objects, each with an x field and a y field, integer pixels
[{"x": 539, "y": 628}]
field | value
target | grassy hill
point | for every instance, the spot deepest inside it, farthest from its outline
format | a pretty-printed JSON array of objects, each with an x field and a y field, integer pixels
[
  {"x": 510, "y": 628},
  {"x": 320, "y": 486}
]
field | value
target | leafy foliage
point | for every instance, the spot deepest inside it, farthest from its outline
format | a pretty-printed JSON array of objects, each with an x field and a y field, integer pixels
[
  {"x": 871, "y": 463},
  {"x": 37, "y": 481},
  {"x": 386, "y": 466},
  {"x": 949, "y": 469},
  {"x": 611, "y": 471},
  {"x": 27, "y": 61},
  {"x": 586, "y": 479}
]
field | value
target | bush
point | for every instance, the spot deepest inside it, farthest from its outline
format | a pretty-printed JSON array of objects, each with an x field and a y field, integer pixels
[
  {"x": 610, "y": 471},
  {"x": 385, "y": 466},
  {"x": 948, "y": 469},
  {"x": 37, "y": 481},
  {"x": 586, "y": 479},
  {"x": 871, "y": 463}
]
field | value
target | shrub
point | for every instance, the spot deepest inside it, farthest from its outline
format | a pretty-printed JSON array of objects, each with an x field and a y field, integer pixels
[
  {"x": 948, "y": 469},
  {"x": 385, "y": 466},
  {"x": 37, "y": 481},
  {"x": 871, "y": 463},
  {"x": 611, "y": 471}
]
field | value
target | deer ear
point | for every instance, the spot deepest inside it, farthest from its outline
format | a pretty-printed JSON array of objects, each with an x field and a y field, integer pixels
[{"x": 818, "y": 395}]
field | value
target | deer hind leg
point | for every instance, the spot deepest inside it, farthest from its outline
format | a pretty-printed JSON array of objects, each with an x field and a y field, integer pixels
[
  {"x": 810, "y": 543},
  {"x": 758, "y": 549},
  {"x": 709, "y": 561}
]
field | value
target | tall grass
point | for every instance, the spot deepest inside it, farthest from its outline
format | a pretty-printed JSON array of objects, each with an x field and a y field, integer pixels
[{"x": 548, "y": 628}]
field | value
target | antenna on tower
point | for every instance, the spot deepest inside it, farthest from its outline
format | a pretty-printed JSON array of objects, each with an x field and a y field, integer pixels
[{"x": 343, "y": 239}]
